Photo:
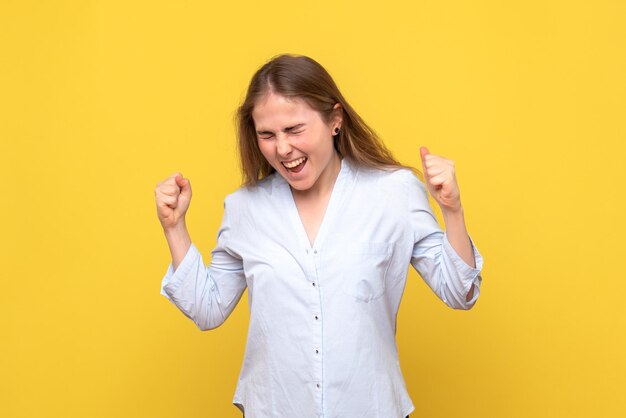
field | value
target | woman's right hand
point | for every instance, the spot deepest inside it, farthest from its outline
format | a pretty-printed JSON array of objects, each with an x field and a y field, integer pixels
[{"x": 173, "y": 196}]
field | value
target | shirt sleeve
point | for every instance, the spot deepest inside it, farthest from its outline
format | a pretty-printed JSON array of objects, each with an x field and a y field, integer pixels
[
  {"x": 207, "y": 295},
  {"x": 434, "y": 258}
]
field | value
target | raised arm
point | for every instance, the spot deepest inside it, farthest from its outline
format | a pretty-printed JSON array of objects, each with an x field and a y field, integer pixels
[
  {"x": 448, "y": 262},
  {"x": 173, "y": 197},
  {"x": 205, "y": 294},
  {"x": 441, "y": 182}
]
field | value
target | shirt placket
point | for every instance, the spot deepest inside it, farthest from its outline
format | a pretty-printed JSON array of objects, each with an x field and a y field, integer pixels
[{"x": 317, "y": 319}]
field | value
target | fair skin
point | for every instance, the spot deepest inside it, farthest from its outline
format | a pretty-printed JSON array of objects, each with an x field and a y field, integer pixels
[
  {"x": 173, "y": 196},
  {"x": 289, "y": 132},
  {"x": 298, "y": 144}
]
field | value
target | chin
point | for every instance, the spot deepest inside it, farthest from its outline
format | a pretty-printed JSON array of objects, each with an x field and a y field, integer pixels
[{"x": 300, "y": 185}]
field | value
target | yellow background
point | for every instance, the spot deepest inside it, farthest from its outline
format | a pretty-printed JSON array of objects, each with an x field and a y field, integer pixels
[{"x": 101, "y": 100}]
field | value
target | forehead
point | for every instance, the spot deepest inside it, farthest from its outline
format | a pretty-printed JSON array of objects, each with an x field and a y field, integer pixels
[{"x": 274, "y": 111}]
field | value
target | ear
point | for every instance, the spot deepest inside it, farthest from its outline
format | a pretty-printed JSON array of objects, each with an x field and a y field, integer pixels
[{"x": 337, "y": 114}]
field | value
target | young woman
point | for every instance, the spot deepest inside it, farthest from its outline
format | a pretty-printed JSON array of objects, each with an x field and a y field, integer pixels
[{"x": 321, "y": 233}]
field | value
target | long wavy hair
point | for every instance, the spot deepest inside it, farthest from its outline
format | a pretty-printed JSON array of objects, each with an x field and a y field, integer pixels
[{"x": 297, "y": 76}]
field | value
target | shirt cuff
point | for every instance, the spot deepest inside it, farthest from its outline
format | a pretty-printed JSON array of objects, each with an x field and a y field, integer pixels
[
  {"x": 173, "y": 278},
  {"x": 468, "y": 274}
]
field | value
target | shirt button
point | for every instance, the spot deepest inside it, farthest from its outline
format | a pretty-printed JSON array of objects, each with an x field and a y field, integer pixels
[
  {"x": 313, "y": 283},
  {"x": 316, "y": 318},
  {"x": 317, "y": 351},
  {"x": 315, "y": 251},
  {"x": 318, "y": 385}
]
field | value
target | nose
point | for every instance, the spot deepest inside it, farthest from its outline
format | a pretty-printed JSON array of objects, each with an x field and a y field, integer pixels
[{"x": 283, "y": 146}]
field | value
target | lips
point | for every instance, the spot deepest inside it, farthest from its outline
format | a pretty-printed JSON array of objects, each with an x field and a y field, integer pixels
[{"x": 295, "y": 166}]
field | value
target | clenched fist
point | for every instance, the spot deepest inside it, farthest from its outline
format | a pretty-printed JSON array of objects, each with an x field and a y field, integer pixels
[
  {"x": 173, "y": 196},
  {"x": 441, "y": 181}
]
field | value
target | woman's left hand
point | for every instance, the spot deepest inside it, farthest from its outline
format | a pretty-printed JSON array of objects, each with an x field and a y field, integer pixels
[{"x": 441, "y": 181}]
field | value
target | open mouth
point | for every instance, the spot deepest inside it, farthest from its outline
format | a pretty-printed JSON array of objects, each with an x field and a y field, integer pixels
[{"x": 295, "y": 166}]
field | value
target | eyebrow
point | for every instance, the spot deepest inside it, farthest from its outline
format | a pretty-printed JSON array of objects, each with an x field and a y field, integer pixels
[{"x": 287, "y": 129}]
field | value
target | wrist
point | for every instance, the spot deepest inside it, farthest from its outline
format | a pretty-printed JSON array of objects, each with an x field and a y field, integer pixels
[
  {"x": 452, "y": 212},
  {"x": 174, "y": 231},
  {"x": 454, "y": 220}
]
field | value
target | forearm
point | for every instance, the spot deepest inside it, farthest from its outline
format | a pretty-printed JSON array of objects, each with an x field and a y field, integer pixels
[
  {"x": 179, "y": 241},
  {"x": 459, "y": 239},
  {"x": 458, "y": 236}
]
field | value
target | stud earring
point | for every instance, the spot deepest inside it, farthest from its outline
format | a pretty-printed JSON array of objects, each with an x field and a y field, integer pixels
[{"x": 336, "y": 131}]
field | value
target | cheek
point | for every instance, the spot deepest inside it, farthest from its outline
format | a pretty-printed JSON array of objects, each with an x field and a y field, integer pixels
[
  {"x": 265, "y": 149},
  {"x": 268, "y": 152}
]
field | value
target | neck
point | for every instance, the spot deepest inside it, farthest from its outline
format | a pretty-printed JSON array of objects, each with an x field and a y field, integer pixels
[{"x": 324, "y": 184}]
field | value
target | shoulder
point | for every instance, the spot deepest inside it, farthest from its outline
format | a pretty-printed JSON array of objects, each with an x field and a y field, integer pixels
[
  {"x": 242, "y": 197},
  {"x": 398, "y": 187},
  {"x": 401, "y": 178}
]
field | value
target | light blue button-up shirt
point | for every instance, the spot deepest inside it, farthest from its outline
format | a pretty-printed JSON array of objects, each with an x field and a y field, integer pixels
[{"x": 321, "y": 340}]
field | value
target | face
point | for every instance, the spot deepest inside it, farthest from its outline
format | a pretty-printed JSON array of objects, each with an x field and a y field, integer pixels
[{"x": 296, "y": 141}]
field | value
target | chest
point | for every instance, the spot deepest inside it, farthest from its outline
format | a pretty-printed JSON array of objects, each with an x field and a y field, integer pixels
[
  {"x": 311, "y": 213},
  {"x": 349, "y": 246}
]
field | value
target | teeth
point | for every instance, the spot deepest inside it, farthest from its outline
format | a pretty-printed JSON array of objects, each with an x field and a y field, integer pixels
[{"x": 294, "y": 163}]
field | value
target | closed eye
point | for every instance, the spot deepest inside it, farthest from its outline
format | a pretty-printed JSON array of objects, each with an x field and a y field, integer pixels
[
  {"x": 270, "y": 136},
  {"x": 290, "y": 129}
]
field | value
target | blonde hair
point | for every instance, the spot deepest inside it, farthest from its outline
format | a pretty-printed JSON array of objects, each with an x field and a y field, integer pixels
[{"x": 297, "y": 76}]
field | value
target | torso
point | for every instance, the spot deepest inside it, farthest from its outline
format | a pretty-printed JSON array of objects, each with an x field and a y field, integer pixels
[{"x": 338, "y": 295}]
